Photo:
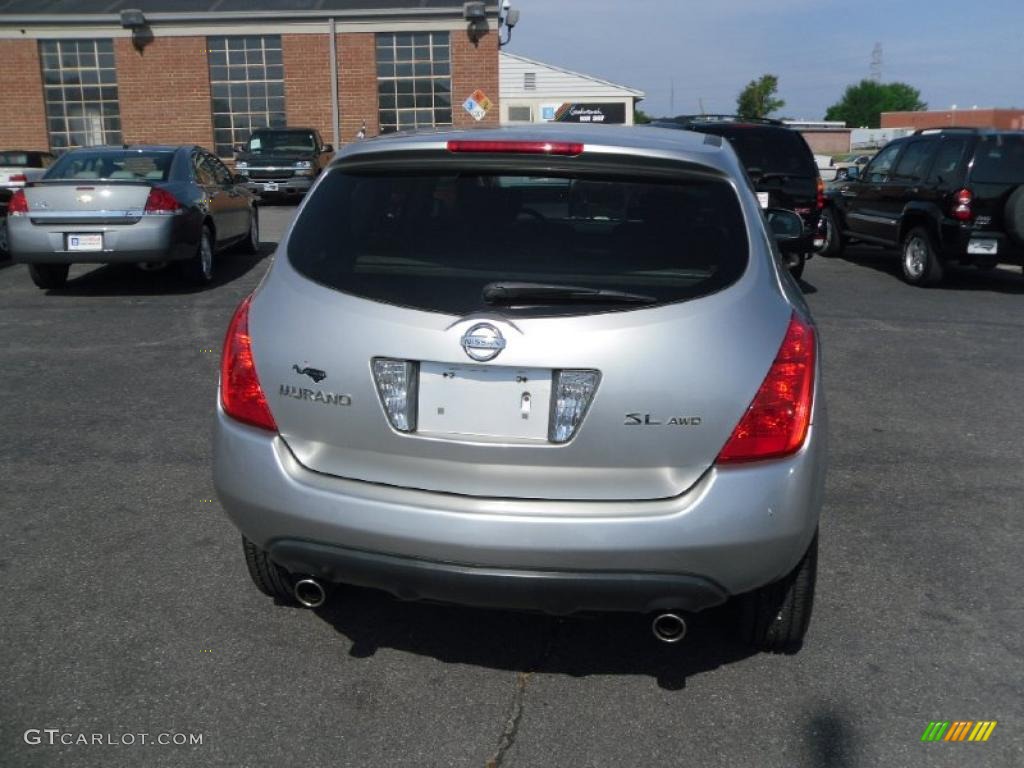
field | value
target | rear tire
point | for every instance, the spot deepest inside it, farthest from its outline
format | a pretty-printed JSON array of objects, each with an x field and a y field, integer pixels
[
  {"x": 835, "y": 243},
  {"x": 919, "y": 258},
  {"x": 1013, "y": 215},
  {"x": 775, "y": 617},
  {"x": 47, "y": 276},
  {"x": 269, "y": 577},
  {"x": 251, "y": 244},
  {"x": 199, "y": 269}
]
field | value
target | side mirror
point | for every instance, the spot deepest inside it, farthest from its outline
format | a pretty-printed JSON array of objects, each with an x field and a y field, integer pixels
[
  {"x": 853, "y": 172},
  {"x": 784, "y": 225},
  {"x": 239, "y": 149},
  {"x": 328, "y": 149}
]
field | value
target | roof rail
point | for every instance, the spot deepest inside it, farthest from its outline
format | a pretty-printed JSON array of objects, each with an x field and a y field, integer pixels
[
  {"x": 949, "y": 128},
  {"x": 690, "y": 119}
]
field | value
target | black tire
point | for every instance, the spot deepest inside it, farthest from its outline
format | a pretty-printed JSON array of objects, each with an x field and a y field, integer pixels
[
  {"x": 48, "y": 276},
  {"x": 5, "y": 249},
  {"x": 200, "y": 268},
  {"x": 1013, "y": 215},
  {"x": 775, "y": 617},
  {"x": 919, "y": 259},
  {"x": 269, "y": 577},
  {"x": 835, "y": 241},
  {"x": 251, "y": 243}
]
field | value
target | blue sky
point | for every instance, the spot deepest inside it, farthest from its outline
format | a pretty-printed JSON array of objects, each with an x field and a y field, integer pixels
[{"x": 964, "y": 53}]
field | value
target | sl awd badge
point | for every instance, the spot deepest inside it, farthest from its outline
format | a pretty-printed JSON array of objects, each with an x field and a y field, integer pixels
[{"x": 646, "y": 420}]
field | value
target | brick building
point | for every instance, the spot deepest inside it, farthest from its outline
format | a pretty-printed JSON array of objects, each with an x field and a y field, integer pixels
[
  {"x": 1005, "y": 119},
  {"x": 84, "y": 72}
]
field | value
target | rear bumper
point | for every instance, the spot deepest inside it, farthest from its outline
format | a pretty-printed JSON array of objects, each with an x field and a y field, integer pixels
[
  {"x": 151, "y": 238},
  {"x": 558, "y": 592},
  {"x": 296, "y": 185},
  {"x": 737, "y": 529},
  {"x": 1008, "y": 251}
]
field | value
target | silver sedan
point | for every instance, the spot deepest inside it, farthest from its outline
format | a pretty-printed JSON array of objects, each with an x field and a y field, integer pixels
[{"x": 145, "y": 204}]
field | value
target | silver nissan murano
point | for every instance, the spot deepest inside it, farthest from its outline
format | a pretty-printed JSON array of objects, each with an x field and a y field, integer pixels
[{"x": 548, "y": 368}]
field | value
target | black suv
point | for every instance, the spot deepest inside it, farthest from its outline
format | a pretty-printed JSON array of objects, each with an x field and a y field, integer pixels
[
  {"x": 282, "y": 161},
  {"x": 780, "y": 165},
  {"x": 943, "y": 196}
]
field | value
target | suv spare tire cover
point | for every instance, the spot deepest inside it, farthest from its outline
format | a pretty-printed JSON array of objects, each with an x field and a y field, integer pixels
[{"x": 1014, "y": 215}]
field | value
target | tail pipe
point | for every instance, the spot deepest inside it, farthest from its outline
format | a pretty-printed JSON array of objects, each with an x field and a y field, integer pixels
[
  {"x": 669, "y": 627},
  {"x": 310, "y": 593}
]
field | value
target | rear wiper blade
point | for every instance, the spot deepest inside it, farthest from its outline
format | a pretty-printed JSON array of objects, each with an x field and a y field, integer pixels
[{"x": 553, "y": 293}]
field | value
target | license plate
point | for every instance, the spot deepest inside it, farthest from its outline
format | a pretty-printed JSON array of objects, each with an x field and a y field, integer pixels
[
  {"x": 484, "y": 401},
  {"x": 762, "y": 198},
  {"x": 85, "y": 242},
  {"x": 983, "y": 247},
  {"x": 270, "y": 186}
]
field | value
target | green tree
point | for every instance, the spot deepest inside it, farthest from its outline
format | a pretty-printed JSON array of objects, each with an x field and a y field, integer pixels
[
  {"x": 758, "y": 98},
  {"x": 640, "y": 117},
  {"x": 862, "y": 104}
]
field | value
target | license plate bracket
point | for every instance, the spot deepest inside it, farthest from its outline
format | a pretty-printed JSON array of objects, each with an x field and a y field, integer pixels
[
  {"x": 90, "y": 241},
  {"x": 983, "y": 247},
  {"x": 484, "y": 401}
]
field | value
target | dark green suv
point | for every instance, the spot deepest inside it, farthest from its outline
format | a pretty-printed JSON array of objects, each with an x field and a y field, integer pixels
[{"x": 942, "y": 196}]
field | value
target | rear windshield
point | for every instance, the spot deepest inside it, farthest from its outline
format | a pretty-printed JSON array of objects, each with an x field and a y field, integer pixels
[
  {"x": 434, "y": 241},
  {"x": 130, "y": 165},
  {"x": 282, "y": 141},
  {"x": 999, "y": 160},
  {"x": 770, "y": 150}
]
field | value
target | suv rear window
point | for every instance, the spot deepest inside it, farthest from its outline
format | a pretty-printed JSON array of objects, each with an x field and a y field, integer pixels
[
  {"x": 432, "y": 241},
  {"x": 772, "y": 150},
  {"x": 999, "y": 159},
  {"x": 130, "y": 165}
]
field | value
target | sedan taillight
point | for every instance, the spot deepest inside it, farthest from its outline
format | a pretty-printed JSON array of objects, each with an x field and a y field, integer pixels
[
  {"x": 160, "y": 201},
  {"x": 17, "y": 178},
  {"x": 18, "y": 204}
]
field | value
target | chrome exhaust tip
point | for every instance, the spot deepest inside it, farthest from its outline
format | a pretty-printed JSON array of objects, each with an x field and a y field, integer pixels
[
  {"x": 310, "y": 593},
  {"x": 669, "y": 627}
]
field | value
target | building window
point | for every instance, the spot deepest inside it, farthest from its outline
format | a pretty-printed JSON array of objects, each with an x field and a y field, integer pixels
[
  {"x": 80, "y": 87},
  {"x": 414, "y": 80},
  {"x": 520, "y": 115},
  {"x": 247, "y": 87}
]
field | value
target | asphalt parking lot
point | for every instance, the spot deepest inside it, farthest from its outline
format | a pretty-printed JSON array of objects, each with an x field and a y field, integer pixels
[{"x": 125, "y": 606}]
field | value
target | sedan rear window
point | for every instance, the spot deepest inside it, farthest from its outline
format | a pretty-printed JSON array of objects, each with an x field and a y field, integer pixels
[
  {"x": 999, "y": 160},
  {"x": 436, "y": 241},
  {"x": 130, "y": 165}
]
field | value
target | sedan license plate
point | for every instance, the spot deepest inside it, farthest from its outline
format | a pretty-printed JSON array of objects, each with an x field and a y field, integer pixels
[
  {"x": 762, "y": 198},
  {"x": 270, "y": 186},
  {"x": 983, "y": 247},
  {"x": 85, "y": 242},
  {"x": 484, "y": 401}
]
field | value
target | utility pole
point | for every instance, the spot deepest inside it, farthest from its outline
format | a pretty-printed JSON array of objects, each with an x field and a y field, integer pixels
[
  {"x": 876, "y": 63},
  {"x": 700, "y": 103}
]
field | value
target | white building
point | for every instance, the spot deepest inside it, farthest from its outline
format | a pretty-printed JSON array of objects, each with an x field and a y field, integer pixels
[{"x": 532, "y": 92}]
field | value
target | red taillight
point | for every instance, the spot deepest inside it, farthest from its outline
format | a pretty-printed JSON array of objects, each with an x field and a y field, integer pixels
[
  {"x": 241, "y": 395},
  {"x": 777, "y": 421},
  {"x": 18, "y": 204},
  {"x": 161, "y": 201},
  {"x": 962, "y": 200},
  {"x": 18, "y": 178},
  {"x": 518, "y": 147},
  {"x": 820, "y": 199}
]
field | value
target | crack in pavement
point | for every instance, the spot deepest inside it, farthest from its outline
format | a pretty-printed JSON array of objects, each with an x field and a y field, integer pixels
[{"x": 515, "y": 713}]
